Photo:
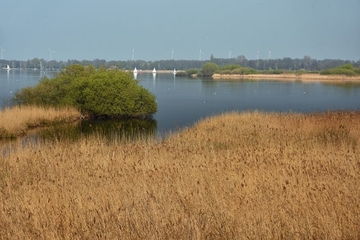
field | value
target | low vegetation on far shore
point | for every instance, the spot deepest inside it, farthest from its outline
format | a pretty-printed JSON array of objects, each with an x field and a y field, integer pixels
[
  {"x": 236, "y": 176},
  {"x": 342, "y": 73},
  {"x": 17, "y": 120},
  {"x": 236, "y": 71}
]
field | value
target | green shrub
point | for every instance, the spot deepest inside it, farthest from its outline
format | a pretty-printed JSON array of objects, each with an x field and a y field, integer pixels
[
  {"x": 248, "y": 71},
  {"x": 209, "y": 68},
  {"x": 191, "y": 71},
  {"x": 230, "y": 67},
  {"x": 238, "y": 71},
  {"x": 346, "y": 69},
  {"x": 200, "y": 74},
  {"x": 226, "y": 71},
  {"x": 277, "y": 71},
  {"x": 96, "y": 92},
  {"x": 347, "y": 66}
]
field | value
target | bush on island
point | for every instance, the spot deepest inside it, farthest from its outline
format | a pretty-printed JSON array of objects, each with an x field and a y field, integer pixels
[
  {"x": 226, "y": 72},
  {"x": 231, "y": 67},
  {"x": 191, "y": 71},
  {"x": 347, "y": 69},
  {"x": 247, "y": 71},
  {"x": 237, "y": 71},
  {"x": 208, "y": 69},
  {"x": 95, "y": 92}
]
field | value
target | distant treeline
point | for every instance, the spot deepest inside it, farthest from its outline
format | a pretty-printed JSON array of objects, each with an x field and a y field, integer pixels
[{"x": 306, "y": 63}]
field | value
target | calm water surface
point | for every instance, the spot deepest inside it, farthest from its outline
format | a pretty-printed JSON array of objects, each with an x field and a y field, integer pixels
[{"x": 184, "y": 101}]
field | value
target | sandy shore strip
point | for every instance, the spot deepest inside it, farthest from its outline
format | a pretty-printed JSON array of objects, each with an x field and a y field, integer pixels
[{"x": 292, "y": 77}]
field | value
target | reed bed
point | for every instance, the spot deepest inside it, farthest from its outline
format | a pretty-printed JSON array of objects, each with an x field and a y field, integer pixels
[
  {"x": 236, "y": 176},
  {"x": 17, "y": 120}
]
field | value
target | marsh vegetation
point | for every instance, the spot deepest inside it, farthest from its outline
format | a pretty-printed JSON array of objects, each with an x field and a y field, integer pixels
[
  {"x": 17, "y": 120},
  {"x": 235, "y": 176}
]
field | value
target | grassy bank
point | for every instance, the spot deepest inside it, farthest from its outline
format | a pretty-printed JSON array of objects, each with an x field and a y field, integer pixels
[
  {"x": 17, "y": 120},
  {"x": 236, "y": 176},
  {"x": 291, "y": 77}
]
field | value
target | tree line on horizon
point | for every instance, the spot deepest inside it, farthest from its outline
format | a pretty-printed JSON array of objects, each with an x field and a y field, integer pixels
[{"x": 306, "y": 63}]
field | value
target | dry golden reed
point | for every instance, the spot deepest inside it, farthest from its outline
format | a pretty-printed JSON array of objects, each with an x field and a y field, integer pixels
[
  {"x": 17, "y": 120},
  {"x": 236, "y": 176}
]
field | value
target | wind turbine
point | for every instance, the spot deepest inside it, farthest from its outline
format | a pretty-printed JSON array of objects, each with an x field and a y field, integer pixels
[
  {"x": 2, "y": 50},
  {"x": 257, "y": 60},
  {"x": 200, "y": 53},
  {"x": 51, "y": 52},
  {"x": 230, "y": 54},
  {"x": 269, "y": 54},
  {"x": 172, "y": 54},
  {"x": 133, "y": 54}
]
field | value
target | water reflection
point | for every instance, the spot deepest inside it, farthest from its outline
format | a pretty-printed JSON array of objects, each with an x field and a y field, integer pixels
[
  {"x": 347, "y": 86},
  {"x": 111, "y": 130}
]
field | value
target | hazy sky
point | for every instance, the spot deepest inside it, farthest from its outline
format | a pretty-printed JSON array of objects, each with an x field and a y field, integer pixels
[{"x": 111, "y": 29}]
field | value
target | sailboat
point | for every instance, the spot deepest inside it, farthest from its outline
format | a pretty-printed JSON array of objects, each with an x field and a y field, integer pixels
[
  {"x": 135, "y": 72},
  {"x": 7, "y": 67},
  {"x": 174, "y": 72},
  {"x": 154, "y": 71}
]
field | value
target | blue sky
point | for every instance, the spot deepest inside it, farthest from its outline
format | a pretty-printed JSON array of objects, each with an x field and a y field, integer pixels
[{"x": 111, "y": 29}]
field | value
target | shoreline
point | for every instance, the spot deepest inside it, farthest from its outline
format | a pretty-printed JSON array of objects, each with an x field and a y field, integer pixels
[{"x": 290, "y": 77}]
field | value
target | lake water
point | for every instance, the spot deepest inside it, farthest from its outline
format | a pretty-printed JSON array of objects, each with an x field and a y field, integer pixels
[{"x": 184, "y": 101}]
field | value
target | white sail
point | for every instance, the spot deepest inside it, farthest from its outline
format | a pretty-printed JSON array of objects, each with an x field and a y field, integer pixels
[
  {"x": 174, "y": 72},
  {"x": 7, "y": 67},
  {"x": 135, "y": 70},
  {"x": 154, "y": 71}
]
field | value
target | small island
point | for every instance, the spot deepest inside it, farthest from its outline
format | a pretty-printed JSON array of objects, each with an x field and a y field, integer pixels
[{"x": 346, "y": 72}]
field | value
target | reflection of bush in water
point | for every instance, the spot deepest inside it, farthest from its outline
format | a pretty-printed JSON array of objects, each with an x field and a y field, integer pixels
[
  {"x": 346, "y": 85},
  {"x": 129, "y": 129},
  {"x": 60, "y": 132}
]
